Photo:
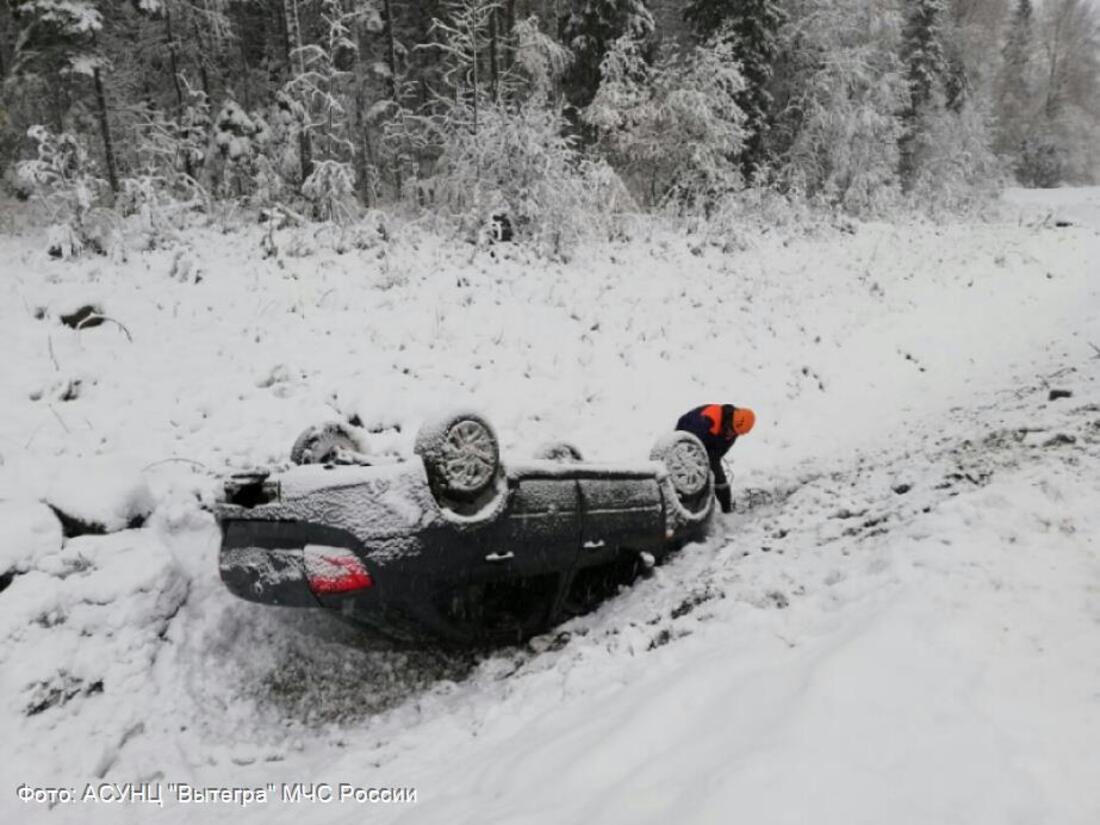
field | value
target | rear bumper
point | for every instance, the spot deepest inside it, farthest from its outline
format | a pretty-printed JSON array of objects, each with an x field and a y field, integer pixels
[{"x": 264, "y": 561}]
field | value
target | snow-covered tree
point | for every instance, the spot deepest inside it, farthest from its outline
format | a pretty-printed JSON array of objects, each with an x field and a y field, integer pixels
[
  {"x": 672, "y": 129},
  {"x": 926, "y": 70},
  {"x": 64, "y": 181},
  {"x": 465, "y": 38},
  {"x": 923, "y": 52},
  {"x": 496, "y": 138},
  {"x": 844, "y": 90},
  {"x": 1049, "y": 92},
  {"x": 203, "y": 100},
  {"x": 1015, "y": 87},
  {"x": 522, "y": 165},
  {"x": 318, "y": 99},
  {"x": 58, "y": 43},
  {"x": 589, "y": 30},
  {"x": 538, "y": 62},
  {"x": 751, "y": 27},
  {"x": 330, "y": 188},
  {"x": 952, "y": 166}
]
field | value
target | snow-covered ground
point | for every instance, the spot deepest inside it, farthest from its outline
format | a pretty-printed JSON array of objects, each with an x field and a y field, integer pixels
[{"x": 901, "y": 623}]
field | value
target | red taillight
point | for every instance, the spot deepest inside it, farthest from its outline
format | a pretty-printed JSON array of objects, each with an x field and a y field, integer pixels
[{"x": 335, "y": 570}]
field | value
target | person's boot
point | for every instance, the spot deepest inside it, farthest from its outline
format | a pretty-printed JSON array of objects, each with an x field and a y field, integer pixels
[{"x": 722, "y": 493}]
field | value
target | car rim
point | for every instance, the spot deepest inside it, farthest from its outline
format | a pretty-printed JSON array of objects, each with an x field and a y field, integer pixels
[
  {"x": 688, "y": 468},
  {"x": 325, "y": 447},
  {"x": 469, "y": 457}
]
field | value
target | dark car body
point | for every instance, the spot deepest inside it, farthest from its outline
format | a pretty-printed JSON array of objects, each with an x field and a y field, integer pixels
[{"x": 511, "y": 568}]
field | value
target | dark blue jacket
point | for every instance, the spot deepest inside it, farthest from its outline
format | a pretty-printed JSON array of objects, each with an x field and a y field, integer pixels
[{"x": 713, "y": 425}]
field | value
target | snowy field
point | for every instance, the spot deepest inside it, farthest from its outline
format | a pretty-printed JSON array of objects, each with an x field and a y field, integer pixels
[{"x": 900, "y": 624}]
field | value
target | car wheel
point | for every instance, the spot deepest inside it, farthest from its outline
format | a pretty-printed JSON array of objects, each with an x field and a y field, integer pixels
[
  {"x": 559, "y": 451},
  {"x": 328, "y": 443},
  {"x": 461, "y": 454},
  {"x": 686, "y": 460}
]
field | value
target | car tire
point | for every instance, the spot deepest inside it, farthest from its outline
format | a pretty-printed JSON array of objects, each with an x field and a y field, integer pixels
[
  {"x": 687, "y": 463},
  {"x": 323, "y": 443},
  {"x": 461, "y": 454},
  {"x": 561, "y": 451}
]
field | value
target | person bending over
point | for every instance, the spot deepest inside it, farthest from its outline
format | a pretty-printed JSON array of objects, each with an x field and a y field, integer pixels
[{"x": 718, "y": 426}]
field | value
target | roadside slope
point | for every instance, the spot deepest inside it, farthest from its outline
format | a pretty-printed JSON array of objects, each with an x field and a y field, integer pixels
[{"x": 843, "y": 653}]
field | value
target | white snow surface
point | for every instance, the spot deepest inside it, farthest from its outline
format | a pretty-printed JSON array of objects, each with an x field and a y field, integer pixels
[{"x": 900, "y": 624}]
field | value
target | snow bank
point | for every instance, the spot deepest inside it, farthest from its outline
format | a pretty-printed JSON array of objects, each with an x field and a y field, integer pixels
[
  {"x": 27, "y": 532},
  {"x": 99, "y": 496},
  {"x": 79, "y": 632}
]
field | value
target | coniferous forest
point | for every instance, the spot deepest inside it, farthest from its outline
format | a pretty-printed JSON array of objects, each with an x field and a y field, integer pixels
[{"x": 546, "y": 112}]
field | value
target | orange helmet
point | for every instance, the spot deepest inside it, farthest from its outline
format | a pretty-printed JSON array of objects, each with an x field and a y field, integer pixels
[{"x": 743, "y": 420}]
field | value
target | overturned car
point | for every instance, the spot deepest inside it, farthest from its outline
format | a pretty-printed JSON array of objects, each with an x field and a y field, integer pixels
[{"x": 454, "y": 545}]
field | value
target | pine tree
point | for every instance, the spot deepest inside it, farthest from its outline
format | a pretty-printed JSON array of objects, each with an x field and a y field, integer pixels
[
  {"x": 923, "y": 53},
  {"x": 1017, "y": 49},
  {"x": 1014, "y": 87},
  {"x": 926, "y": 71},
  {"x": 670, "y": 128},
  {"x": 465, "y": 39},
  {"x": 589, "y": 30},
  {"x": 752, "y": 28},
  {"x": 59, "y": 42}
]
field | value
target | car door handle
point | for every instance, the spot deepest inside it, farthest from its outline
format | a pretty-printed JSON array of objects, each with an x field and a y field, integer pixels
[
  {"x": 500, "y": 556},
  {"x": 595, "y": 545}
]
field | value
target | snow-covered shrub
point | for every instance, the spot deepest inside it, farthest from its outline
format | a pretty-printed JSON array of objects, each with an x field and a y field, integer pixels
[
  {"x": 271, "y": 187},
  {"x": 145, "y": 198},
  {"x": 331, "y": 190},
  {"x": 740, "y": 218},
  {"x": 234, "y": 142},
  {"x": 540, "y": 61},
  {"x": 168, "y": 153},
  {"x": 173, "y": 148},
  {"x": 518, "y": 162},
  {"x": 62, "y": 179},
  {"x": 495, "y": 144},
  {"x": 671, "y": 130},
  {"x": 953, "y": 167},
  {"x": 1061, "y": 150}
]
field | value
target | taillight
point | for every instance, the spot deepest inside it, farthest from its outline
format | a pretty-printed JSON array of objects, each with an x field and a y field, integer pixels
[{"x": 335, "y": 570}]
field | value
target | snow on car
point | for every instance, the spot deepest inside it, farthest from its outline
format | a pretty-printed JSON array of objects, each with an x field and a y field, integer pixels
[{"x": 455, "y": 545}]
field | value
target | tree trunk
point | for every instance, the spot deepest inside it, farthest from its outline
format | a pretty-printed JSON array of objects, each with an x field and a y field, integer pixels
[
  {"x": 362, "y": 156},
  {"x": 201, "y": 61},
  {"x": 361, "y": 152},
  {"x": 7, "y": 33},
  {"x": 293, "y": 38},
  {"x": 246, "y": 78},
  {"x": 494, "y": 67},
  {"x": 305, "y": 152},
  {"x": 173, "y": 63},
  {"x": 285, "y": 30},
  {"x": 391, "y": 50},
  {"x": 105, "y": 130},
  {"x": 296, "y": 64},
  {"x": 509, "y": 27},
  {"x": 391, "y": 59},
  {"x": 58, "y": 108},
  {"x": 473, "y": 63}
]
